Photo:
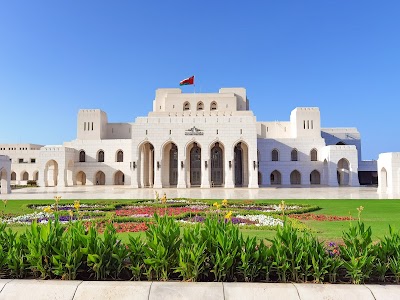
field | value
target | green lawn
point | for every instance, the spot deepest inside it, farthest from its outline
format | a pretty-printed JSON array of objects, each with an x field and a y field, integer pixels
[{"x": 377, "y": 213}]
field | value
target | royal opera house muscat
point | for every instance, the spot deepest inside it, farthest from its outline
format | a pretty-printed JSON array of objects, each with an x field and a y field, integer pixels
[{"x": 201, "y": 140}]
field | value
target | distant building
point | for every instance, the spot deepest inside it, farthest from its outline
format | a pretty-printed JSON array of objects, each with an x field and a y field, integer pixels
[{"x": 197, "y": 140}]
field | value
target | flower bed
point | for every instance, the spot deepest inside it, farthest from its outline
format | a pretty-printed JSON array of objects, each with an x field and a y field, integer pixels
[
  {"x": 149, "y": 211},
  {"x": 124, "y": 227},
  {"x": 314, "y": 217}
]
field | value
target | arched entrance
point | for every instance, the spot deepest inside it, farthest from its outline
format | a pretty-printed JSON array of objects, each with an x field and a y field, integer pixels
[
  {"x": 195, "y": 165},
  {"x": 169, "y": 170},
  {"x": 24, "y": 176},
  {"x": 36, "y": 175},
  {"x": 119, "y": 178},
  {"x": 81, "y": 178},
  {"x": 100, "y": 178},
  {"x": 276, "y": 177},
  {"x": 295, "y": 177},
  {"x": 217, "y": 165},
  {"x": 146, "y": 165},
  {"x": 13, "y": 176},
  {"x": 315, "y": 177},
  {"x": 343, "y": 172},
  {"x": 51, "y": 173},
  {"x": 241, "y": 173},
  {"x": 383, "y": 181}
]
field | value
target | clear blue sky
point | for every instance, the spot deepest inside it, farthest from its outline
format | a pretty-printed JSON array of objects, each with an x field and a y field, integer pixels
[{"x": 59, "y": 56}]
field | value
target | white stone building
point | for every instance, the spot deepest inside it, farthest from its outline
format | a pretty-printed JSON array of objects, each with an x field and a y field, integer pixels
[
  {"x": 389, "y": 173},
  {"x": 197, "y": 140}
]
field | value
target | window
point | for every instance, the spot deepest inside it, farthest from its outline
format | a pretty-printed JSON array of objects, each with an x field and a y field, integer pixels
[
  {"x": 20, "y": 160},
  {"x": 82, "y": 156},
  {"x": 313, "y": 154},
  {"x": 33, "y": 160},
  {"x": 84, "y": 126},
  {"x": 120, "y": 156},
  {"x": 275, "y": 155},
  {"x": 213, "y": 105},
  {"x": 186, "y": 106},
  {"x": 200, "y": 106},
  {"x": 293, "y": 155},
  {"x": 100, "y": 156}
]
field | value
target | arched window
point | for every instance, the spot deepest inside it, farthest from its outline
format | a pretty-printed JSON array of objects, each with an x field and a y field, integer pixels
[
  {"x": 213, "y": 105},
  {"x": 82, "y": 156},
  {"x": 100, "y": 156},
  {"x": 13, "y": 176},
  {"x": 200, "y": 106},
  {"x": 275, "y": 155},
  {"x": 186, "y": 106},
  {"x": 313, "y": 154},
  {"x": 293, "y": 155},
  {"x": 120, "y": 156}
]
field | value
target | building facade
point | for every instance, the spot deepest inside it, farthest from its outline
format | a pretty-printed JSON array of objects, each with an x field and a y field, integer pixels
[{"x": 197, "y": 140}]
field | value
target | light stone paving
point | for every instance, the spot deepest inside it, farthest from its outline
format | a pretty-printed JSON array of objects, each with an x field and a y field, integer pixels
[
  {"x": 110, "y": 290},
  {"x": 113, "y": 192}
]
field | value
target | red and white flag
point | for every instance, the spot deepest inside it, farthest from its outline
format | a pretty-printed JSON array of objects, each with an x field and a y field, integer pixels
[{"x": 187, "y": 81}]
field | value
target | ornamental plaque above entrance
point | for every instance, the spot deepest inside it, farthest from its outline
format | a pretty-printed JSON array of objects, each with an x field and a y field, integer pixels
[{"x": 194, "y": 131}]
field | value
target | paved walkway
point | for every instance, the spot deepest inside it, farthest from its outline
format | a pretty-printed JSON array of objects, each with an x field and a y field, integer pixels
[{"x": 125, "y": 192}]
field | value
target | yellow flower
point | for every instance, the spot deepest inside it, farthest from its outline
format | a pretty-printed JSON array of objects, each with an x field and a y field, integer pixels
[
  {"x": 360, "y": 209},
  {"x": 57, "y": 199},
  {"x": 71, "y": 213},
  {"x": 157, "y": 196},
  {"x": 228, "y": 215},
  {"x": 225, "y": 202},
  {"x": 282, "y": 206},
  {"x": 5, "y": 202},
  {"x": 77, "y": 204},
  {"x": 47, "y": 209},
  {"x": 215, "y": 204}
]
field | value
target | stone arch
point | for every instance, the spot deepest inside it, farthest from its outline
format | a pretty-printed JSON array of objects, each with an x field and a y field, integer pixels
[
  {"x": 146, "y": 164},
  {"x": 82, "y": 156},
  {"x": 100, "y": 178},
  {"x": 119, "y": 178},
  {"x": 294, "y": 155},
  {"x": 100, "y": 155},
  {"x": 314, "y": 154},
  {"x": 295, "y": 177},
  {"x": 217, "y": 162},
  {"x": 213, "y": 106},
  {"x": 169, "y": 164},
  {"x": 315, "y": 177},
  {"x": 186, "y": 106},
  {"x": 80, "y": 178},
  {"x": 51, "y": 173},
  {"x": 13, "y": 176},
  {"x": 241, "y": 163},
  {"x": 275, "y": 155},
  {"x": 343, "y": 172},
  {"x": 275, "y": 177},
  {"x": 383, "y": 182},
  {"x": 119, "y": 156},
  {"x": 35, "y": 175},
  {"x": 24, "y": 176},
  {"x": 200, "y": 105}
]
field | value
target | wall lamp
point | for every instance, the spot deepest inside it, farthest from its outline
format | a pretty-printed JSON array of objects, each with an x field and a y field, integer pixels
[
  {"x": 205, "y": 164},
  {"x": 254, "y": 164},
  {"x": 134, "y": 165},
  {"x": 181, "y": 164},
  {"x": 158, "y": 165},
  {"x": 230, "y": 164}
]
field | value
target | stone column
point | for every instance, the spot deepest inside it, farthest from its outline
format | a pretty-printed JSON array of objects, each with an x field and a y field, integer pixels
[
  {"x": 181, "y": 171},
  {"x": 253, "y": 172},
  {"x": 157, "y": 170},
  {"x": 228, "y": 171},
  {"x": 134, "y": 174}
]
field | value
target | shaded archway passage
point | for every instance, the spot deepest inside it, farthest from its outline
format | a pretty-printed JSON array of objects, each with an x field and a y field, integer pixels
[
  {"x": 51, "y": 173},
  {"x": 100, "y": 178},
  {"x": 195, "y": 165},
  {"x": 119, "y": 178},
  {"x": 146, "y": 163},
  {"x": 81, "y": 178},
  {"x": 343, "y": 172},
  {"x": 241, "y": 165},
  {"x": 169, "y": 165},
  {"x": 315, "y": 177},
  {"x": 25, "y": 176},
  {"x": 217, "y": 165},
  {"x": 276, "y": 177},
  {"x": 295, "y": 177}
]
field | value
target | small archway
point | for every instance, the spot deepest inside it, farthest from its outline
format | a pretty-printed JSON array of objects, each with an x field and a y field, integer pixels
[
  {"x": 315, "y": 177},
  {"x": 24, "y": 176},
  {"x": 100, "y": 156},
  {"x": 213, "y": 106},
  {"x": 100, "y": 178},
  {"x": 275, "y": 178},
  {"x": 119, "y": 178},
  {"x": 81, "y": 178},
  {"x": 217, "y": 165},
  {"x": 343, "y": 172},
  {"x": 186, "y": 106},
  {"x": 275, "y": 155},
  {"x": 295, "y": 177},
  {"x": 36, "y": 175},
  {"x": 314, "y": 155},
  {"x": 119, "y": 156},
  {"x": 241, "y": 172},
  {"x": 82, "y": 156},
  {"x": 13, "y": 176},
  {"x": 383, "y": 183},
  {"x": 195, "y": 165},
  {"x": 200, "y": 106},
  {"x": 294, "y": 155},
  {"x": 51, "y": 173},
  {"x": 169, "y": 165}
]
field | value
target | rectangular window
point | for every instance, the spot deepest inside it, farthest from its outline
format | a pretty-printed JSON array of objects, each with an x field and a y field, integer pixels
[
  {"x": 304, "y": 124},
  {"x": 92, "y": 126},
  {"x": 308, "y": 124},
  {"x": 84, "y": 126},
  {"x": 33, "y": 160},
  {"x": 20, "y": 160},
  {"x": 312, "y": 124}
]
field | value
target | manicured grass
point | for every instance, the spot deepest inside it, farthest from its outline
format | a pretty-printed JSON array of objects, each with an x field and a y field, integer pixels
[{"x": 378, "y": 214}]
